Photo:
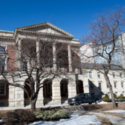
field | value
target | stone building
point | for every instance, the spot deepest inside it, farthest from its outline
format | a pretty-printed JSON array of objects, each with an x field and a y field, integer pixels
[
  {"x": 59, "y": 89},
  {"x": 92, "y": 64},
  {"x": 97, "y": 82}
]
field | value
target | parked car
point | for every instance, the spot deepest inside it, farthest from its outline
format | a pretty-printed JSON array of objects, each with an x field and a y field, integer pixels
[{"x": 84, "y": 98}]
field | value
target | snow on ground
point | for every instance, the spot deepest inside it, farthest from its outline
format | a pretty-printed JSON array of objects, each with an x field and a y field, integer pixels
[
  {"x": 29, "y": 107},
  {"x": 74, "y": 120},
  {"x": 116, "y": 111},
  {"x": 102, "y": 102}
]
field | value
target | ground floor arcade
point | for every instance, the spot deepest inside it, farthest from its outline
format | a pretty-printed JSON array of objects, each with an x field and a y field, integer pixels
[{"x": 54, "y": 92}]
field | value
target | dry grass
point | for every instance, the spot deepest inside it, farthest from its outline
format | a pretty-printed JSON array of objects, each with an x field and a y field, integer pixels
[
  {"x": 104, "y": 121},
  {"x": 102, "y": 107},
  {"x": 2, "y": 113}
]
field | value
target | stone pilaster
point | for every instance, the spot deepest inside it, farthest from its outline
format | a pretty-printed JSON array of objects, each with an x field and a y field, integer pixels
[
  {"x": 11, "y": 99},
  {"x": 71, "y": 88},
  {"x": 69, "y": 58},
  {"x": 16, "y": 97},
  {"x": 86, "y": 86},
  {"x": 56, "y": 94}
]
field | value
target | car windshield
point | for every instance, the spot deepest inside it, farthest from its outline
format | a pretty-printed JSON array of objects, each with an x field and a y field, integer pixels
[{"x": 81, "y": 95}]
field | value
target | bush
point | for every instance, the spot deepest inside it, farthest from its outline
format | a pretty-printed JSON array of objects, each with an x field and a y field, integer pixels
[
  {"x": 60, "y": 114},
  {"x": 18, "y": 117},
  {"x": 121, "y": 98},
  {"x": 106, "y": 98},
  {"x": 115, "y": 96},
  {"x": 54, "y": 114}
]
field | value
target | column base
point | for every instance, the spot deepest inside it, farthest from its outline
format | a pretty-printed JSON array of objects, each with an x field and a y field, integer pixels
[{"x": 56, "y": 101}]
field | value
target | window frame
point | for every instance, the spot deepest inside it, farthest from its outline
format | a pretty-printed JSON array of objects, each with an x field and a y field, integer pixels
[
  {"x": 113, "y": 74},
  {"x": 4, "y": 94},
  {"x": 115, "y": 84},
  {"x": 98, "y": 75},
  {"x": 100, "y": 87},
  {"x": 90, "y": 74},
  {"x": 122, "y": 84}
]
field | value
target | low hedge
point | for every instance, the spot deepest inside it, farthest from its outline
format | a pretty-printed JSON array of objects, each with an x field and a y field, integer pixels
[
  {"x": 23, "y": 117},
  {"x": 119, "y": 98},
  {"x": 54, "y": 114},
  {"x": 106, "y": 98}
]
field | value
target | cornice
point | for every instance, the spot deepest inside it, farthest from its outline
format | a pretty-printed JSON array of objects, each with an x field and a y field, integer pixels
[
  {"x": 7, "y": 38},
  {"x": 40, "y": 34}
]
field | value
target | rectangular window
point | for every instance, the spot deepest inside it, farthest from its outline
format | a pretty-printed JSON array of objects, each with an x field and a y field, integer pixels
[
  {"x": 107, "y": 86},
  {"x": 90, "y": 74},
  {"x": 2, "y": 49},
  {"x": 113, "y": 75},
  {"x": 2, "y": 63},
  {"x": 98, "y": 74},
  {"x": 122, "y": 84},
  {"x": 2, "y": 88},
  {"x": 124, "y": 74},
  {"x": 115, "y": 84},
  {"x": 100, "y": 85},
  {"x": 24, "y": 65},
  {"x": 120, "y": 74}
]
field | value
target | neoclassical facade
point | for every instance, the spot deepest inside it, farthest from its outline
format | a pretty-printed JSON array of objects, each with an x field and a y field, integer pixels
[{"x": 59, "y": 89}]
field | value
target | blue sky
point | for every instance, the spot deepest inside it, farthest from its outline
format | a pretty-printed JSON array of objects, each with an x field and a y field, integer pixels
[{"x": 74, "y": 16}]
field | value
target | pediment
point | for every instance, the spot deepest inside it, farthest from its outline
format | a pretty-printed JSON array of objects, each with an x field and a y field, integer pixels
[
  {"x": 46, "y": 28},
  {"x": 49, "y": 30}
]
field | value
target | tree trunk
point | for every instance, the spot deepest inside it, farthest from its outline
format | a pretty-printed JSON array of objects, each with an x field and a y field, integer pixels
[
  {"x": 111, "y": 90},
  {"x": 33, "y": 104}
]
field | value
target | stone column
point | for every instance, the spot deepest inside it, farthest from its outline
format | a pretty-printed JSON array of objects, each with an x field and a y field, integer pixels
[
  {"x": 86, "y": 85},
  {"x": 69, "y": 58},
  {"x": 54, "y": 57},
  {"x": 16, "y": 96},
  {"x": 38, "y": 52},
  {"x": 11, "y": 99},
  {"x": 6, "y": 65},
  {"x": 56, "y": 93}
]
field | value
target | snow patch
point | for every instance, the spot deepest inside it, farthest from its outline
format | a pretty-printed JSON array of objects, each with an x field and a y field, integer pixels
[
  {"x": 116, "y": 111},
  {"x": 74, "y": 120}
]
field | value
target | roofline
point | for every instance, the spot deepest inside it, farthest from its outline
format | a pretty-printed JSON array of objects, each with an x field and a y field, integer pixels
[
  {"x": 28, "y": 26},
  {"x": 46, "y": 23},
  {"x": 4, "y": 31}
]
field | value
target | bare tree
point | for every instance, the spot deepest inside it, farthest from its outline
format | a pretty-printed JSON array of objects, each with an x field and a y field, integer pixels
[
  {"x": 103, "y": 41},
  {"x": 37, "y": 66}
]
